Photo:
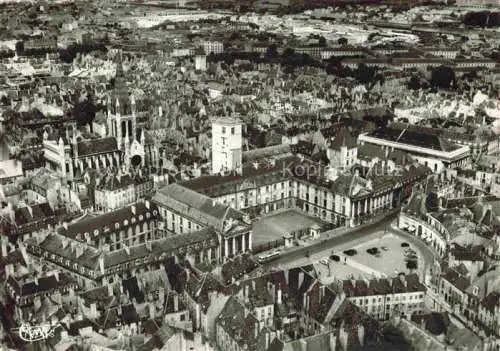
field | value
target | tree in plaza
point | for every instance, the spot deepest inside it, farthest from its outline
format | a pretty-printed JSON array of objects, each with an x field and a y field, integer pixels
[
  {"x": 432, "y": 202},
  {"x": 412, "y": 264},
  {"x": 443, "y": 77},
  {"x": 271, "y": 52},
  {"x": 322, "y": 41},
  {"x": 343, "y": 41}
]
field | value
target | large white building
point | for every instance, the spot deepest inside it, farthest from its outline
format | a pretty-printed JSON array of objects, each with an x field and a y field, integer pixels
[
  {"x": 227, "y": 144},
  {"x": 428, "y": 149}
]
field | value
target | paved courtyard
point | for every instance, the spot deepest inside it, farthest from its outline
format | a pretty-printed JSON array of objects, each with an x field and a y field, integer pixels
[
  {"x": 273, "y": 227},
  {"x": 390, "y": 260}
]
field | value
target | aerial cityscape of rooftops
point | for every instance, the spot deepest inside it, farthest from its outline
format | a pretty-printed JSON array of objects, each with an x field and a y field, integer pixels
[{"x": 247, "y": 175}]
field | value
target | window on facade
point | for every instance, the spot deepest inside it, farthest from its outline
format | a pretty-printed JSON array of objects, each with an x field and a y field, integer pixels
[
  {"x": 232, "y": 130},
  {"x": 223, "y": 130}
]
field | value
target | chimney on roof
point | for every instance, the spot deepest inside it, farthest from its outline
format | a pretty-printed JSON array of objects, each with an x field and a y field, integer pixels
[
  {"x": 255, "y": 165},
  {"x": 64, "y": 243},
  {"x": 176, "y": 303},
  {"x": 133, "y": 209},
  {"x": 11, "y": 211},
  {"x": 147, "y": 204},
  {"x": 36, "y": 281},
  {"x": 110, "y": 290},
  {"x": 79, "y": 250},
  {"x": 56, "y": 275},
  {"x": 245, "y": 292},
  {"x": 101, "y": 264},
  {"x": 65, "y": 225},
  {"x": 301, "y": 279},
  {"x": 321, "y": 292},
  {"x": 361, "y": 334},
  {"x": 279, "y": 295},
  {"x": 30, "y": 210},
  {"x": 4, "y": 246},
  {"x": 256, "y": 330}
]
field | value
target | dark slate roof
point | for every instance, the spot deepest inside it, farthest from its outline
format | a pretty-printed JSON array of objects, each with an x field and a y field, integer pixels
[
  {"x": 411, "y": 137},
  {"x": 259, "y": 172},
  {"x": 200, "y": 288},
  {"x": 96, "y": 146},
  {"x": 456, "y": 279},
  {"x": 114, "y": 182},
  {"x": 45, "y": 284},
  {"x": 342, "y": 138},
  {"x": 303, "y": 147},
  {"x": 107, "y": 223},
  {"x": 370, "y": 151},
  {"x": 461, "y": 253},
  {"x": 38, "y": 212},
  {"x": 239, "y": 325},
  {"x": 491, "y": 301},
  {"x": 312, "y": 343},
  {"x": 408, "y": 283},
  {"x": 159, "y": 248},
  {"x": 131, "y": 287}
]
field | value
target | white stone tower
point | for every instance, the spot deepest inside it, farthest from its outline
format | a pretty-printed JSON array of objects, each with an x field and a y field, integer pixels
[{"x": 227, "y": 145}]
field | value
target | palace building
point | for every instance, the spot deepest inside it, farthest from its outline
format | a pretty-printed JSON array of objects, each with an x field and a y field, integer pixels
[{"x": 185, "y": 211}]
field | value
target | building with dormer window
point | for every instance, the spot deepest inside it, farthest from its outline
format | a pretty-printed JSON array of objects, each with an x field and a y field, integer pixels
[{"x": 185, "y": 211}]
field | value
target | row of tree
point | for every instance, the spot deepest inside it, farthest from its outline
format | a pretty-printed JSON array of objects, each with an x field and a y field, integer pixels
[
  {"x": 442, "y": 77},
  {"x": 482, "y": 19},
  {"x": 66, "y": 55}
]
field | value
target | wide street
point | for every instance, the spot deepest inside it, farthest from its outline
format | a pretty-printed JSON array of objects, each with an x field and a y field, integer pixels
[{"x": 324, "y": 247}]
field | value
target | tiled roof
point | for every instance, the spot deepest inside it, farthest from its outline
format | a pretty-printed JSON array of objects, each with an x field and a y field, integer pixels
[
  {"x": 107, "y": 223},
  {"x": 96, "y": 146}
]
